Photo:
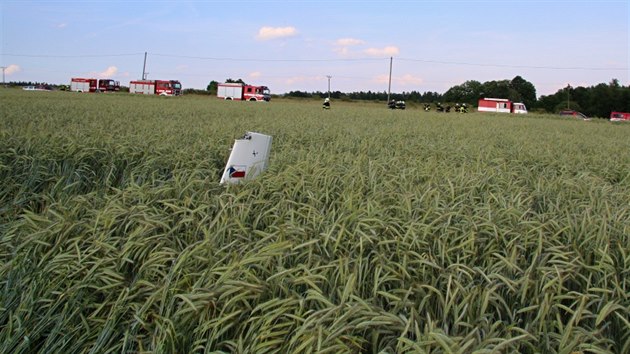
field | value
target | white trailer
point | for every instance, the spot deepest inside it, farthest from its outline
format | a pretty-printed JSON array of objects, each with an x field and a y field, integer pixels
[{"x": 501, "y": 105}]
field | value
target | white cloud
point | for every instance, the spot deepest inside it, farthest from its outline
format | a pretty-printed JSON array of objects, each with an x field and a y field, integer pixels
[
  {"x": 349, "y": 42},
  {"x": 62, "y": 25},
  {"x": 303, "y": 79},
  {"x": 343, "y": 44},
  {"x": 381, "y": 79},
  {"x": 255, "y": 74},
  {"x": 343, "y": 51},
  {"x": 405, "y": 80},
  {"x": 108, "y": 73},
  {"x": 408, "y": 79},
  {"x": 379, "y": 52},
  {"x": 12, "y": 69},
  {"x": 267, "y": 33}
]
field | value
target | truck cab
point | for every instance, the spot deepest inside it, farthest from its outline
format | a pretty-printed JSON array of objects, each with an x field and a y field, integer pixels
[
  {"x": 256, "y": 93},
  {"x": 108, "y": 85},
  {"x": 176, "y": 87},
  {"x": 519, "y": 108}
]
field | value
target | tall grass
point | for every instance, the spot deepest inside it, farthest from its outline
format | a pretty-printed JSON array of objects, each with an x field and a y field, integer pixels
[{"x": 372, "y": 230}]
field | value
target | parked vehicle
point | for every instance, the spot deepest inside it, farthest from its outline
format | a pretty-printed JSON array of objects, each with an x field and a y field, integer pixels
[
  {"x": 78, "y": 84},
  {"x": 501, "y": 105},
  {"x": 241, "y": 92},
  {"x": 393, "y": 104},
  {"x": 36, "y": 88},
  {"x": 572, "y": 113},
  {"x": 619, "y": 117},
  {"x": 156, "y": 87}
]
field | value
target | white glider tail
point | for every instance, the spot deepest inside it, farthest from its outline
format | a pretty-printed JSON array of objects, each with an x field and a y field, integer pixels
[{"x": 249, "y": 157}]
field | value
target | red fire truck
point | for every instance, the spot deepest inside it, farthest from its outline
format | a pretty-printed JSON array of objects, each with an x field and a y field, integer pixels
[
  {"x": 78, "y": 84},
  {"x": 500, "y": 105},
  {"x": 619, "y": 117},
  {"x": 240, "y": 92},
  {"x": 156, "y": 87}
]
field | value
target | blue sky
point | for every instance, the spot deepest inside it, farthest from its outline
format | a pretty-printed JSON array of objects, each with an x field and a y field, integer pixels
[{"x": 294, "y": 45}]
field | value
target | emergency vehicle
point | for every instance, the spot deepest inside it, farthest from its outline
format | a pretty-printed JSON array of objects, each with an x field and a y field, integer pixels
[
  {"x": 156, "y": 87},
  {"x": 500, "y": 105},
  {"x": 78, "y": 84},
  {"x": 240, "y": 92},
  {"x": 619, "y": 117}
]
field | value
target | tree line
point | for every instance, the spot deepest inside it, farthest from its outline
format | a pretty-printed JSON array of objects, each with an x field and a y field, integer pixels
[{"x": 593, "y": 101}]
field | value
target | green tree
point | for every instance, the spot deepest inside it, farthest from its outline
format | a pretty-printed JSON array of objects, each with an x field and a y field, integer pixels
[
  {"x": 594, "y": 101},
  {"x": 525, "y": 89},
  {"x": 498, "y": 89},
  {"x": 468, "y": 92},
  {"x": 232, "y": 81},
  {"x": 212, "y": 87}
]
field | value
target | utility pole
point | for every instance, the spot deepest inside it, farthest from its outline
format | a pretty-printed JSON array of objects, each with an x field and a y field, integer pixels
[
  {"x": 3, "y": 68},
  {"x": 144, "y": 75},
  {"x": 389, "y": 88},
  {"x": 329, "y": 77},
  {"x": 568, "y": 88}
]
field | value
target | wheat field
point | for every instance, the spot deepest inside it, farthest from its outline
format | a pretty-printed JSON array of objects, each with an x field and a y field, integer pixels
[{"x": 372, "y": 231}]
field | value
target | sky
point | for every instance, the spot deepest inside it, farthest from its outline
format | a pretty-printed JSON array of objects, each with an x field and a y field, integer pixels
[{"x": 307, "y": 45}]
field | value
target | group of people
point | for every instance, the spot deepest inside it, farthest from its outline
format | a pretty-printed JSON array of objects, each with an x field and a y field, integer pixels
[
  {"x": 393, "y": 104},
  {"x": 463, "y": 108}
]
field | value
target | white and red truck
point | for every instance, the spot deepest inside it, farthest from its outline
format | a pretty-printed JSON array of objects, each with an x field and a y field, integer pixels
[
  {"x": 241, "y": 92},
  {"x": 619, "y": 117},
  {"x": 156, "y": 87},
  {"x": 501, "y": 105},
  {"x": 79, "y": 84}
]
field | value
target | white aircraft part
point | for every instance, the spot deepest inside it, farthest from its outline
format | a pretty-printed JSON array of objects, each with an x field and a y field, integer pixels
[{"x": 249, "y": 157}]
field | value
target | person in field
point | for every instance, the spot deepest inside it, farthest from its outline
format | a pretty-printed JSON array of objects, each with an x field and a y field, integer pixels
[{"x": 326, "y": 104}]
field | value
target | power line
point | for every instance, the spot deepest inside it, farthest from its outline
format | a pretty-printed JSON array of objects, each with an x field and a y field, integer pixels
[
  {"x": 236, "y": 59},
  {"x": 69, "y": 56},
  {"x": 263, "y": 59},
  {"x": 510, "y": 66}
]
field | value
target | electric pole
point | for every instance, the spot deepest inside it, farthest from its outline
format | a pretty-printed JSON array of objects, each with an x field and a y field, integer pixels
[
  {"x": 329, "y": 77},
  {"x": 568, "y": 88},
  {"x": 389, "y": 88},
  {"x": 144, "y": 74},
  {"x": 3, "y": 68}
]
